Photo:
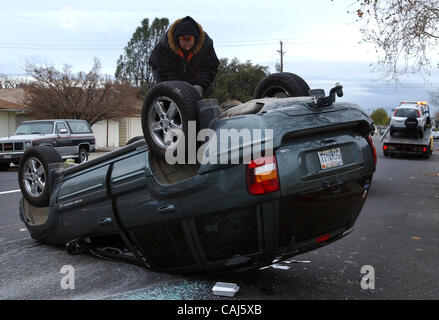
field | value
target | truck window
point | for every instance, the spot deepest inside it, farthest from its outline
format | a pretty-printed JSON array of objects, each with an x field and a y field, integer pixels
[
  {"x": 59, "y": 126},
  {"x": 78, "y": 126},
  {"x": 405, "y": 112}
]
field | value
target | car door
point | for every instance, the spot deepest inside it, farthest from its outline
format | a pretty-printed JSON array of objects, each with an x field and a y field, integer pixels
[
  {"x": 63, "y": 140},
  {"x": 84, "y": 202},
  {"x": 154, "y": 221}
]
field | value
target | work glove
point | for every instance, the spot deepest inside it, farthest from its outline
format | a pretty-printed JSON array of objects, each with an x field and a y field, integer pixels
[{"x": 199, "y": 89}]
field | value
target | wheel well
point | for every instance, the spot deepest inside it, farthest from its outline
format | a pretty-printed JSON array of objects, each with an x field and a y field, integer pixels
[
  {"x": 273, "y": 90},
  {"x": 86, "y": 146}
]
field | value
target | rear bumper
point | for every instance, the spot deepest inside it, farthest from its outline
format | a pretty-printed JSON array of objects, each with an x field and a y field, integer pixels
[
  {"x": 251, "y": 237},
  {"x": 405, "y": 149},
  {"x": 399, "y": 152},
  {"x": 405, "y": 129}
]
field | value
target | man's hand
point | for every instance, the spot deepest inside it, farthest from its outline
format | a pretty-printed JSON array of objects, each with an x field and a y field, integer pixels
[{"x": 199, "y": 89}]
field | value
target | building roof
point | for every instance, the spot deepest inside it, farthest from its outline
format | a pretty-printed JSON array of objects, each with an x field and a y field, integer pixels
[{"x": 12, "y": 99}]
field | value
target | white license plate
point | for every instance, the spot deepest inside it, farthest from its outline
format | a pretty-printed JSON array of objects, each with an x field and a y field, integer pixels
[
  {"x": 7, "y": 156},
  {"x": 330, "y": 158}
]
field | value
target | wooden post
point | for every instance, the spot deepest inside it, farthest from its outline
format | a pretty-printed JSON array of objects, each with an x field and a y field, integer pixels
[{"x": 281, "y": 52}]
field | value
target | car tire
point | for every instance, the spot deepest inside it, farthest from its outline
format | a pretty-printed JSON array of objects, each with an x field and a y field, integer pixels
[
  {"x": 4, "y": 166},
  {"x": 281, "y": 85},
  {"x": 134, "y": 139},
  {"x": 34, "y": 168},
  {"x": 169, "y": 105},
  {"x": 82, "y": 155}
]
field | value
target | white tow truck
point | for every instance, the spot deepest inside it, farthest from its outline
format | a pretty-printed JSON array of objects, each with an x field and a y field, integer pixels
[{"x": 409, "y": 141}]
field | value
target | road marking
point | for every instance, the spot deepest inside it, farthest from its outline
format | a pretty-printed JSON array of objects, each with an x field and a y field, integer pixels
[
  {"x": 11, "y": 191},
  {"x": 278, "y": 266},
  {"x": 16, "y": 240}
]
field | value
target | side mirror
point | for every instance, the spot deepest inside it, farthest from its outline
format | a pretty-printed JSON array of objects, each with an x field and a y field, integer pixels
[
  {"x": 338, "y": 89},
  {"x": 327, "y": 101},
  {"x": 63, "y": 131}
]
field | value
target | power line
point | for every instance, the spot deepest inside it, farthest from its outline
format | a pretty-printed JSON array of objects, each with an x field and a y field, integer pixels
[
  {"x": 62, "y": 48},
  {"x": 377, "y": 84},
  {"x": 110, "y": 47},
  {"x": 104, "y": 48},
  {"x": 114, "y": 47}
]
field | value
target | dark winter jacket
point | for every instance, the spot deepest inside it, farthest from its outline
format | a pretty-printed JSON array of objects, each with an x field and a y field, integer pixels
[{"x": 198, "y": 67}]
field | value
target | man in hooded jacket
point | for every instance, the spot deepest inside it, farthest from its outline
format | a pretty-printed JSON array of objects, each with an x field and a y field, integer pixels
[{"x": 185, "y": 53}]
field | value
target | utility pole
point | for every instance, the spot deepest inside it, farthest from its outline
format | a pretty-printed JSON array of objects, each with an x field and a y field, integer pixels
[{"x": 281, "y": 57}]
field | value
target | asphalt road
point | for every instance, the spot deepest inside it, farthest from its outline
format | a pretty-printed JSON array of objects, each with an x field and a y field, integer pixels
[{"x": 397, "y": 234}]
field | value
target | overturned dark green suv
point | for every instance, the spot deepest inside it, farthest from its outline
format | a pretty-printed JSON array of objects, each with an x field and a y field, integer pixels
[{"x": 303, "y": 188}]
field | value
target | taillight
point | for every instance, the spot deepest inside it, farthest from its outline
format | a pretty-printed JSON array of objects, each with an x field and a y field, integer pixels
[
  {"x": 394, "y": 113},
  {"x": 262, "y": 176},
  {"x": 323, "y": 238},
  {"x": 385, "y": 147},
  {"x": 374, "y": 150},
  {"x": 419, "y": 113}
]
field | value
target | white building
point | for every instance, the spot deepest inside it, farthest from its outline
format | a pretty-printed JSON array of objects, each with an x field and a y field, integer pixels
[{"x": 12, "y": 112}]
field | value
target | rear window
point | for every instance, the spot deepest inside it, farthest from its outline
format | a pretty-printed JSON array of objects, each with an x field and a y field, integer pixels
[
  {"x": 405, "y": 112},
  {"x": 79, "y": 127}
]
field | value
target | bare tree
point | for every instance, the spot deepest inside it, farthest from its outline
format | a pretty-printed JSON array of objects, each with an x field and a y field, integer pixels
[
  {"x": 403, "y": 32},
  {"x": 66, "y": 95}
]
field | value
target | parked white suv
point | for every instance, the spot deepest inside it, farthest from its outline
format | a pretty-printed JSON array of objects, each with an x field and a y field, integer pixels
[{"x": 410, "y": 116}]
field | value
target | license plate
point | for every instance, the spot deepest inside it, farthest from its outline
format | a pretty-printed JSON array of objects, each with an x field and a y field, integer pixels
[
  {"x": 330, "y": 158},
  {"x": 7, "y": 156}
]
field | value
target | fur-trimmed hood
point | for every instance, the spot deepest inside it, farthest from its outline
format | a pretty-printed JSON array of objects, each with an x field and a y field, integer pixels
[{"x": 172, "y": 42}]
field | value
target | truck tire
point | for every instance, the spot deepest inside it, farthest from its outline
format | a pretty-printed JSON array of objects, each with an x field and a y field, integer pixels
[
  {"x": 82, "y": 155},
  {"x": 33, "y": 174},
  {"x": 168, "y": 107},
  {"x": 281, "y": 85},
  {"x": 427, "y": 153}
]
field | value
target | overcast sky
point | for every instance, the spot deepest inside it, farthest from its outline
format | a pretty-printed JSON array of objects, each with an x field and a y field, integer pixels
[{"x": 321, "y": 40}]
